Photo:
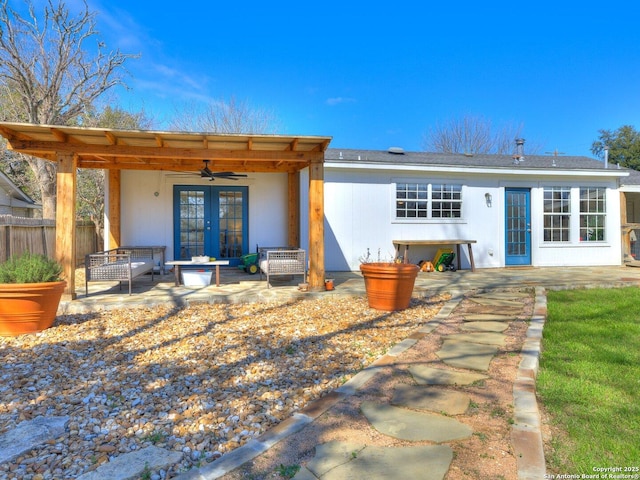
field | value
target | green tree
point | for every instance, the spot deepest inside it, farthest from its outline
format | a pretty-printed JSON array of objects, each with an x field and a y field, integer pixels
[
  {"x": 623, "y": 145},
  {"x": 53, "y": 68}
]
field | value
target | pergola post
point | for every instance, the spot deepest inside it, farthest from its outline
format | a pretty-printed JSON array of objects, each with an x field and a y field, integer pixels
[
  {"x": 316, "y": 224},
  {"x": 113, "y": 235},
  {"x": 294, "y": 209},
  {"x": 66, "y": 219}
]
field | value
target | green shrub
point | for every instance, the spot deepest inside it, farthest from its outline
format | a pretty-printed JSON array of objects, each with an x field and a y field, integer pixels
[{"x": 30, "y": 268}]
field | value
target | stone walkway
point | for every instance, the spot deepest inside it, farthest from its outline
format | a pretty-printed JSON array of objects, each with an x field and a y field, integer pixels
[{"x": 423, "y": 412}]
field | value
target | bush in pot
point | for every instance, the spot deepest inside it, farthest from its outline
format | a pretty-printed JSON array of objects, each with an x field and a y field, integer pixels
[{"x": 30, "y": 292}]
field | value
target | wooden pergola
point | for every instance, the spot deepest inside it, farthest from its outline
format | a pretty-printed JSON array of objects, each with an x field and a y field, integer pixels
[{"x": 116, "y": 150}]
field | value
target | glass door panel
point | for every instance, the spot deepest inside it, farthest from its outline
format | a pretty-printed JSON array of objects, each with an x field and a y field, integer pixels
[
  {"x": 518, "y": 226},
  {"x": 210, "y": 221}
]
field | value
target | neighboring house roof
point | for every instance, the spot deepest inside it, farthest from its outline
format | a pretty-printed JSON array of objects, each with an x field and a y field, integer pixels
[
  {"x": 18, "y": 197},
  {"x": 632, "y": 182}
]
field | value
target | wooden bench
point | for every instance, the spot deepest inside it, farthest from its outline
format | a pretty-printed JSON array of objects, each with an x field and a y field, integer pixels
[
  {"x": 398, "y": 244},
  {"x": 282, "y": 261},
  {"x": 121, "y": 264}
]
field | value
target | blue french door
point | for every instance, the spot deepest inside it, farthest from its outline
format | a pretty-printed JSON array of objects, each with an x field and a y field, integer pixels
[
  {"x": 518, "y": 226},
  {"x": 210, "y": 221}
]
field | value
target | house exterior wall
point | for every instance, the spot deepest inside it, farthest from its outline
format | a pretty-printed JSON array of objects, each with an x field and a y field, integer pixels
[
  {"x": 360, "y": 214},
  {"x": 147, "y": 219},
  {"x": 360, "y": 217}
]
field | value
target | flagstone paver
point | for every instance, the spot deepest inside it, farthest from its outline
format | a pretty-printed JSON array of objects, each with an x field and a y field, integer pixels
[
  {"x": 30, "y": 434},
  {"x": 333, "y": 454},
  {"x": 503, "y": 295},
  {"x": 133, "y": 464},
  {"x": 426, "y": 375},
  {"x": 406, "y": 424},
  {"x": 383, "y": 463},
  {"x": 493, "y": 302},
  {"x": 473, "y": 356},
  {"x": 449, "y": 402},
  {"x": 489, "y": 338},
  {"x": 488, "y": 317},
  {"x": 488, "y": 326}
]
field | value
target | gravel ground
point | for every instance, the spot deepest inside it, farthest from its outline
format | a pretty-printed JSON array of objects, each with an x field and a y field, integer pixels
[{"x": 202, "y": 380}]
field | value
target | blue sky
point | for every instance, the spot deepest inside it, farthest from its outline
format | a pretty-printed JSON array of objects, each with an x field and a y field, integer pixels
[{"x": 379, "y": 75}]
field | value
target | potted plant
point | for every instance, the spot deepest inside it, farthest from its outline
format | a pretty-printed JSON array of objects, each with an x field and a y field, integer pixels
[
  {"x": 30, "y": 292},
  {"x": 389, "y": 284}
]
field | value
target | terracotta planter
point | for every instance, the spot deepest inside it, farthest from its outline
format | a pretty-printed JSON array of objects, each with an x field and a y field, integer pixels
[
  {"x": 28, "y": 307},
  {"x": 389, "y": 285}
]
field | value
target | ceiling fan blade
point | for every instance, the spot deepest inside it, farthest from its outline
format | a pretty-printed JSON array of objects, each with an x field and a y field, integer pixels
[{"x": 231, "y": 175}]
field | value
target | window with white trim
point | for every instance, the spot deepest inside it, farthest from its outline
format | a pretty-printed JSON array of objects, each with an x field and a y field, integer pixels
[
  {"x": 557, "y": 214},
  {"x": 592, "y": 214},
  {"x": 426, "y": 201}
]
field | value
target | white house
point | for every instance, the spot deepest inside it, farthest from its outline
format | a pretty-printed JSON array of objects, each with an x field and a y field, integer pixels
[
  {"x": 517, "y": 209},
  {"x": 533, "y": 210},
  {"x": 521, "y": 210}
]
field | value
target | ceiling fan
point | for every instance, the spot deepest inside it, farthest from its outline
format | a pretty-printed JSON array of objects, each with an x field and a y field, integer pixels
[{"x": 205, "y": 172}]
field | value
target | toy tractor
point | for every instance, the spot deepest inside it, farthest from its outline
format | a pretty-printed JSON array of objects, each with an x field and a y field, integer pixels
[{"x": 249, "y": 263}]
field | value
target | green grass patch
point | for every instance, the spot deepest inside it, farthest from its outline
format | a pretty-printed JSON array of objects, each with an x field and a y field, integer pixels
[{"x": 589, "y": 379}]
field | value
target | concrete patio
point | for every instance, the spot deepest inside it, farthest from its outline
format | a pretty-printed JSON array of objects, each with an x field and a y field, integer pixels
[{"x": 237, "y": 286}]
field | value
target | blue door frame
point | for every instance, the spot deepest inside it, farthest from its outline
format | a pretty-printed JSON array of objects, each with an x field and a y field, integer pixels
[
  {"x": 517, "y": 226},
  {"x": 210, "y": 220}
]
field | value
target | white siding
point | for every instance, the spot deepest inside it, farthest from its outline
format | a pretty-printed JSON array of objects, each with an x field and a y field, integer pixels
[
  {"x": 147, "y": 219},
  {"x": 360, "y": 215}
]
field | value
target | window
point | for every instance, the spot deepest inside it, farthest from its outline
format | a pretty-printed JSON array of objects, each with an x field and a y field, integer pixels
[
  {"x": 411, "y": 200},
  {"x": 424, "y": 201},
  {"x": 557, "y": 214},
  {"x": 592, "y": 214},
  {"x": 447, "y": 201}
]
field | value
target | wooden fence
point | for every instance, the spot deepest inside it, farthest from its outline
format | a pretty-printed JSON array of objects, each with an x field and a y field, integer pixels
[{"x": 36, "y": 235}]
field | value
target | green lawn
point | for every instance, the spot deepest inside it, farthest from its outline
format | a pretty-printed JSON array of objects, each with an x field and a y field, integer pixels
[{"x": 589, "y": 380}]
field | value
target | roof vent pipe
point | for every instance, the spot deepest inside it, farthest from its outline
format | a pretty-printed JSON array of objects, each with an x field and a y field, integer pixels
[
  {"x": 606, "y": 157},
  {"x": 520, "y": 149}
]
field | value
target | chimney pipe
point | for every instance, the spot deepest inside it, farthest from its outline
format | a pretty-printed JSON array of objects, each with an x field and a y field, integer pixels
[
  {"x": 606, "y": 157},
  {"x": 520, "y": 149}
]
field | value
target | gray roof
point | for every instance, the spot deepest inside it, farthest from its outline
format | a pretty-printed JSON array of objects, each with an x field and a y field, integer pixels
[
  {"x": 456, "y": 159},
  {"x": 632, "y": 179},
  {"x": 342, "y": 155},
  {"x": 13, "y": 190}
]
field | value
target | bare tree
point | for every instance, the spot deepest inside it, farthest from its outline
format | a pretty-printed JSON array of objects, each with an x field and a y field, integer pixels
[
  {"x": 471, "y": 134},
  {"x": 90, "y": 200},
  {"x": 224, "y": 117},
  {"x": 49, "y": 76}
]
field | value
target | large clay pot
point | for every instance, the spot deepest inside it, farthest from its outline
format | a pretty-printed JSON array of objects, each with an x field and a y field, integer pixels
[
  {"x": 28, "y": 307},
  {"x": 389, "y": 285}
]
